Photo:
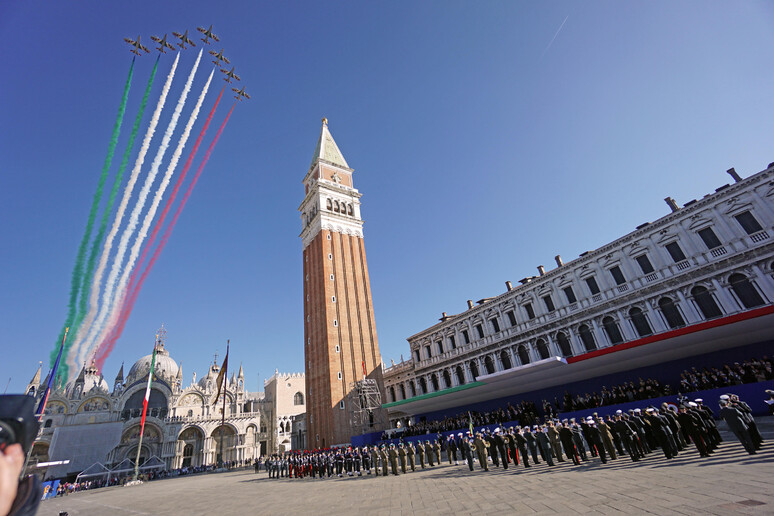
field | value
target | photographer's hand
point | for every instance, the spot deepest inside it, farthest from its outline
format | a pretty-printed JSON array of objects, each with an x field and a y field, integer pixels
[{"x": 11, "y": 464}]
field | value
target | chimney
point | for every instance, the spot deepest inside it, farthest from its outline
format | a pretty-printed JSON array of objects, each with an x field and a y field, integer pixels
[
  {"x": 542, "y": 270},
  {"x": 733, "y": 174},
  {"x": 509, "y": 286},
  {"x": 672, "y": 204},
  {"x": 558, "y": 259},
  {"x": 470, "y": 303}
]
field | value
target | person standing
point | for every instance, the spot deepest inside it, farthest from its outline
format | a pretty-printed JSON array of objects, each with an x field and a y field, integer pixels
[
  {"x": 499, "y": 443},
  {"x": 553, "y": 438},
  {"x": 402, "y": 457},
  {"x": 607, "y": 437},
  {"x": 393, "y": 454},
  {"x": 737, "y": 425},
  {"x": 566, "y": 436},
  {"x": 451, "y": 449},
  {"x": 410, "y": 455},
  {"x": 421, "y": 452},
  {"x": 531, "y": 443},
  {"x": 481, "y": 447},
  {"x": 541, "y": 436},
  {"x": 437, "y": 450},
  {"x": 467, "y": 449}
]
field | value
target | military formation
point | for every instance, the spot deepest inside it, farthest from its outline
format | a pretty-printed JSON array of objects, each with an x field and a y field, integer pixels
[{"x": 636, "y": 434}]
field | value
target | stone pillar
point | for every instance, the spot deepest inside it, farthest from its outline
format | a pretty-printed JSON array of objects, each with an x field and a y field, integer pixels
[{"x": 691, "y": 315}]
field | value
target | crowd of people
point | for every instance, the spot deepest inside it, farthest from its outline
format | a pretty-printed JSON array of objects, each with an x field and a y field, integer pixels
[
  {"x": 526, "y": 413},
  {"x": 635, "y": 434}
]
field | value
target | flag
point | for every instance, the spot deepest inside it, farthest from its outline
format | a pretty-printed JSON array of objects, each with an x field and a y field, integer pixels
[
  {"x": 221, "y": 380},
  {"x": 148, "y": 388},
  {"x": 470, "y": 422},
  {"x": 51, "y": 377}
]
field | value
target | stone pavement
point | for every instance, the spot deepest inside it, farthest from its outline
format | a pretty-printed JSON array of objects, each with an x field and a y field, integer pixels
[{"x": 730, "y": 482}]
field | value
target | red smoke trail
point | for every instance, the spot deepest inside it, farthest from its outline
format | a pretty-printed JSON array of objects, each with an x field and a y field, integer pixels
[{"x": 106, "y": 346}]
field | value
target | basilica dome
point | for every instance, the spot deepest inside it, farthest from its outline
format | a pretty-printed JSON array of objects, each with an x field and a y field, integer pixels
[
  {"x": 89, "y": 381},
  {"x": 165, "y": 368}
]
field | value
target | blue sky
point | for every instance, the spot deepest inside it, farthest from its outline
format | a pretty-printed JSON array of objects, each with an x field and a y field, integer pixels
[{"x": 480, "y": 152}]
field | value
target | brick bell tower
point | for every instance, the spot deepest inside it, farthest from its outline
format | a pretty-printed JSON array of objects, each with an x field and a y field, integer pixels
[{"x": 340, "y": 345}]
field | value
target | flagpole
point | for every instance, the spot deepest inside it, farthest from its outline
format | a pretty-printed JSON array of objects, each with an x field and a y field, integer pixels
[
  {"x": 223, "y": 421},
  {"x": 42, "y": 406},
  {"x": 145, "y": 409}
]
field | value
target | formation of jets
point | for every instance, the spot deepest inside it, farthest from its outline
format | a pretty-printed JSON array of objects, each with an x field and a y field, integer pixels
[
  {"x": 138, "y": 48},
  {"x": 162, "y": 44}
]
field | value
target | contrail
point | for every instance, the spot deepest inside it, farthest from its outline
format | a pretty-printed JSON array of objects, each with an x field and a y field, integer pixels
[
  {"x": 121, "y": 292},
  {"x": 97, "y": 243},
  {"x": 109, "y": 299},
  {"x": 95, "y": 285},
  {"x": 555, "y": 35},
  {"x": 77, "y": 276},
  {"x": 106, "y": 345}
]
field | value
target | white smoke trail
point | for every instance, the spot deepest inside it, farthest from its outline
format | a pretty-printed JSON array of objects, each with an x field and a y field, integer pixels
[
  {"x": 135, "y": 251},
  {"x": 103, "y": 259},
  {"x": 109, "y": 299}
]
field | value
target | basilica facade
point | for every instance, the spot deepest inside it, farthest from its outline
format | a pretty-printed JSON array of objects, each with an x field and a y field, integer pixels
[{"x": 89, "y": 422}]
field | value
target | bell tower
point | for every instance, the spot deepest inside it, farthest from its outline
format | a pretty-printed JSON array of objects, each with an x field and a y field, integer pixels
[{"x": 340, "y": 344}]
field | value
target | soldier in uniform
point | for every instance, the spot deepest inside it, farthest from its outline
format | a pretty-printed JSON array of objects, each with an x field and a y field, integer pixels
[
  {"x": 692, "y": 425},
  {"x": 737, "y": 424},
  {"x": 466, "y": 449},
  {"x": 577, "y": 438},
  {"x": 607, "y": 437},
  {"x": 437, "y": 449},
  {"x": 531, "y": 443},
  {"x": 492, "y": 448},
  {"x": 411, "y": 455},
  {"x": 375, "y": 459},
  {"x": 481, "y": 447},
  {"x": 541, "y": 436},
  {"x": 628, "y": 435},
  {"x": 568, "y": 442},
  {"x": 421, "y": 452},
  {"x": 451, "y": 449},
  {"x": 595, "y": 439},
  {"x": 393, "y": 459},
  {"x": 553, "y": 438},
  {"x": 429, "y": 451},
  {"x": 402, "y": 457},
  {"x": 383, "y": 458},
  {"x": 499, "y": 443}
]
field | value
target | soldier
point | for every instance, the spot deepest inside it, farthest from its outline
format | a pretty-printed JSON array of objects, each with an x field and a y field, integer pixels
[
  {"x": 553, "y": 438},
  {"x": 746, "y": 411},
  {"x": 481, "y": 447},
  {"x": 499, "y": 443},
  {"x": 709, "y": 420},
  {"x": 568, "y": 442},
  {"x": 541, "y": 435},
  {"x": 531, "y": 443},
  {"x": 421, "y": 452},
  {"x": 607, "y": 437},
  {"x": 402, "y": 457},
  {"x": 692, "y": 426},
  {"x": 437, "y": 449},
  {"x": 429, "y": 452},
  {"x": 410, "y": 455},
  {"x": 492, "y": 448},
  {"x": 736, "y": 423},
  {"x": 521, "y": 444},
  {"x": 357, "y": 461},
  {"x": 595, "y": 439},
  {"x": 467, "y": 449},
  {"x": 577, "y": 438},
  {"x": 451, "y": 449},
  {"x": 628, "y": 435},
  {"x": 375, "y": 460},
  {"x": 367, "y": 460},
  {"x": 383, "y": 457},
  {"x": 393, "y": 459}
]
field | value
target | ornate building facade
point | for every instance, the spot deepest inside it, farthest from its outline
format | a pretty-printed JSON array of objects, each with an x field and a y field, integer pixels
[
  {"x": 340, "y": 343},
  {"x": 87, "y": 422},
  {"x": 697, "y": 280}
]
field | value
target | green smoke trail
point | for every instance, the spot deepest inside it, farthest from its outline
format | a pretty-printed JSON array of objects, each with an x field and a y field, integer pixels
[
  {"x": 95, "y": 246},
  {"x": 75, "y": 282}
]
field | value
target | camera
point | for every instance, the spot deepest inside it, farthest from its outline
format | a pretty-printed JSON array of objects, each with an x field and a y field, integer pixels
[{"x": 18, "y": 423}]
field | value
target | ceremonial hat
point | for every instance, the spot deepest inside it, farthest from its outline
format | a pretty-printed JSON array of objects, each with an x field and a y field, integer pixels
[{"x": 725, "y": 397}]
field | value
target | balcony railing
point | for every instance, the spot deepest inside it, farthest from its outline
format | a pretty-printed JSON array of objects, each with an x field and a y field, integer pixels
[
  {"x": 681, "y": 266},
  {"x": 596, "y": 298},
  {"x": 760, "y": 236},
  {"x": 718, "y": 251},
  {"x": 622, "y": 288},
  {"x": 653, "y": 276}
]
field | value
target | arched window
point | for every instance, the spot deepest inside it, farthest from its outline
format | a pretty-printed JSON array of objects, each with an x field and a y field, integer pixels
[
  {"x": 460, "y": 375},
  {"x": 392, "y": 393},
  {"x": 474, "y": 369},
  {"x": 489, "y": 364},
  {"x": 587, "y": 338},
  {"x": 349, "y": 209},
  {"x": 402, "y": 392},
  {"x": 412, "y": 389},
  {"x": 447, "y": 380},
  {"x": 523, "y": 355},
  {"x": 298, "y": 399},
  {"x": 611, "y": 328},
  {"x": 640, "y": 322},
  {"x": 745, "y": 291},
  {"x": 48, "y": 424},
  {"x": 671, "y": 313},
  {"x": 564, "y": 344},
  {"x": 329, "y": 204},
  {"x": 434, "y": 382},
  {"x": 706, "y": 303},
  {"x": 423, "y": 385},
  {"x": 282, "y": 427},
  {"x": 505, "y": 359},
  {"x": 542, "y": 348}
]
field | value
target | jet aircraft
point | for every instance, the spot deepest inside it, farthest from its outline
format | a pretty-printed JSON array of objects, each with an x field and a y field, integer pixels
[
  {"x": 183, "y": 39},
  {"x": 219, "y": 57},
  {"x": 240, "y": 93},
  {"x": 162, "y": 44},
  {"x": 207, "y": 34},
  {"x": 137, "y": 46},
  {"x": 230, "y": 74}
]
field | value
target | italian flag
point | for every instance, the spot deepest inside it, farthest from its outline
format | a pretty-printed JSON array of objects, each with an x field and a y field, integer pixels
[{"x": 147, "y": 390}]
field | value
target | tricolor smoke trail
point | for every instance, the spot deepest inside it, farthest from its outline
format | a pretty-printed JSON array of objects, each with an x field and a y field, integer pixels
[
  {"x": 108, "y": 301},
  {"x": 97, "y": 243},
  {"x": 122, "y": 286},
  {"x": 107, "y": 345},
  {"x": 95, "y": 285},
  {"x": 75, "y": 282}
]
